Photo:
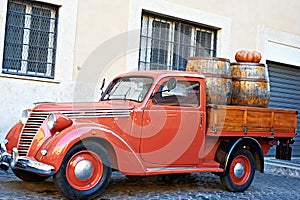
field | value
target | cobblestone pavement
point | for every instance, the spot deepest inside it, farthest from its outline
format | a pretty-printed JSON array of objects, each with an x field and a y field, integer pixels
[{"x": 187, "y": 186}]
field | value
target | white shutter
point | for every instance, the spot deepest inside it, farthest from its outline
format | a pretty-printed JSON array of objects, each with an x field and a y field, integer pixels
[{"x": 285, "y": 93}]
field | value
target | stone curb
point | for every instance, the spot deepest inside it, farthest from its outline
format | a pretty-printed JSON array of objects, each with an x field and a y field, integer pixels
[{"x": 281, "y": 167}]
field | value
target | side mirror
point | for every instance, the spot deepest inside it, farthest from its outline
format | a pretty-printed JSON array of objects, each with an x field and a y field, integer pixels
[{"x": 171, "y": 84}]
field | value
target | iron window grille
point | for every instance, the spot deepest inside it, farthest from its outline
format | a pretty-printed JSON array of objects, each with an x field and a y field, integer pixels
[
  {"x": 166, "y": 43},
  {"x": 30, "y": 39}
]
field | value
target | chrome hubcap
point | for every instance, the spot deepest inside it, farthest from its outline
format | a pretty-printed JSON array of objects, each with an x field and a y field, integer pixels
[
  {"x": 83, "y": 169},
  {"x": 239, "y": 170}
]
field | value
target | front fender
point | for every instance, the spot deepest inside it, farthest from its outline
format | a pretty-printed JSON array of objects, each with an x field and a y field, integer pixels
[
  {"x": 57, "y": 147},
  {"x": 13, "y": 136}
]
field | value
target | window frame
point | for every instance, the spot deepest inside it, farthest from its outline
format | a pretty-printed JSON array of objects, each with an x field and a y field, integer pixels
[
  {"x": 146, "y": 48},
  {"x": 45, "y": 63}
]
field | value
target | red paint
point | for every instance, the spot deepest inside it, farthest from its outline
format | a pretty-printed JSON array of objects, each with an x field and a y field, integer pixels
[
  {"x": 93, "y": 179},
  {"x": 244, "y": 161}
]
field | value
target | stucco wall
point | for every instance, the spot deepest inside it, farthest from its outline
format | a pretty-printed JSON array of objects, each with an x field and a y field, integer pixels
[
  {"x": 247, "y": 16},
  {"x": 19, "y": 92},
  {"x": 99, "y": 26},
  {"x": 240, "y": 23}
]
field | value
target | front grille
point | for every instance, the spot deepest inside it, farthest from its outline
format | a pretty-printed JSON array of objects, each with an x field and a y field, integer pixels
[{"x": 33, "y": 124}]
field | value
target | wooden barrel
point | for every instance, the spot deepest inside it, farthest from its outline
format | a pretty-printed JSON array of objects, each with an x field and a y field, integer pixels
[
  {"x": 250, "y": 84},
  {"x": 218, "y": 77}
]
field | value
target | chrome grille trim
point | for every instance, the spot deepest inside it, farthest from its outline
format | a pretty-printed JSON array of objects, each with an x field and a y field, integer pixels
[
  {"x": 97, "y": 113},
  {"x": 32, "y": 126}
]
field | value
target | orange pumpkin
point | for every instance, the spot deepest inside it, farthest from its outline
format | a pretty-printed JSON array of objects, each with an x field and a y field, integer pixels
[
  {"x": 256, "y": 56},
  {"x": 240, "y": 56},
  {"x": 247, "y": 56}
]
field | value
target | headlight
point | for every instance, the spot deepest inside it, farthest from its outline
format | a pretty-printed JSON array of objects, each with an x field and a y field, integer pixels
[
  {"x": 57, "y": 122},
  {"x": 24, "y": 116},
  {"x": 51, "y": 121}
]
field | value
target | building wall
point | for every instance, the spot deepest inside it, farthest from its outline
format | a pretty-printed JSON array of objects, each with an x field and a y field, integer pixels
[
  {"x": 20, "y": 92},
  {"x": 101, "y": 32},
  {"x": 99, "y": 39},
  {"x": 253, "y": 25},
  {"x": 248, "y": 16}
]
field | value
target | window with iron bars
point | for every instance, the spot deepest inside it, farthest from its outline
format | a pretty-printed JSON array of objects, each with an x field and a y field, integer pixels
[
  {"x": 166, "y": 44},
  {"x": 30, "y": 39}
]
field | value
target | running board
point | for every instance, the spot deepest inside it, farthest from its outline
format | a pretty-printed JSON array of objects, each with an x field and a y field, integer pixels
[{"x": 180, "y": 170}]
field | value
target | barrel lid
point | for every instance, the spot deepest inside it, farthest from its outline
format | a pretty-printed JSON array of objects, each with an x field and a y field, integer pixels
[
  {"x": 248, "y": 63},
  {"x": 208, "y": 58},
  {"x": 212, "y": 75}
]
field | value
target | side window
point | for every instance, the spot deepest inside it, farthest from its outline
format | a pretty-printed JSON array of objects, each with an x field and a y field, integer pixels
[{"x": 186, "y": 94}]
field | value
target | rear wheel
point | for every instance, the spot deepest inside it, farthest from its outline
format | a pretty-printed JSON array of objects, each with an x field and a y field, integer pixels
[
  {"x": 240, "y": 171},
  {"x": 85, "y": 171}
]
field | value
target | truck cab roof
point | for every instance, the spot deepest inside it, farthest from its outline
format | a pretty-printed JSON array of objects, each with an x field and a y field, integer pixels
[{"x": 158, "y": 74}]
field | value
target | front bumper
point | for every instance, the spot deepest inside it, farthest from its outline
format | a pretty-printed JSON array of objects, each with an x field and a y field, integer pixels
[{"x": 15, "y": 161}]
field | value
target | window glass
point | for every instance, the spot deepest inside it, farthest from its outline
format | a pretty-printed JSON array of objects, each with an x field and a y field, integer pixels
[
  {"x": 159, "y": 45},
  {"x": 128, "y": 88},
  {"x": 186, "y": 94}
]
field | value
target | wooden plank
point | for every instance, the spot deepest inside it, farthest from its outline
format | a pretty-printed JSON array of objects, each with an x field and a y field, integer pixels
[
  {"x": 259, "y": 119},
  {"x": 286, "y": 133},
  {"x": 284, "y": 120}
]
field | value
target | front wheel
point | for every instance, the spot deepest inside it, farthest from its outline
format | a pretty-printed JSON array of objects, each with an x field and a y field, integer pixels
[
  {"x": 85, "y": 171},
  {"x": 29, "y": 176},
  {"x": 240, "y": 171}
]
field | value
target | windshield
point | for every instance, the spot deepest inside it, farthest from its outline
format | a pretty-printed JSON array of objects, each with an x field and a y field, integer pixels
[{"x": 128, "y": 88}]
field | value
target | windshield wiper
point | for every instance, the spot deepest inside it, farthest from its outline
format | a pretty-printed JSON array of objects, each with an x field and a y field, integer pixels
[
  {"x": 107, "y": 96},
  {"x": 126, "y": 94}
]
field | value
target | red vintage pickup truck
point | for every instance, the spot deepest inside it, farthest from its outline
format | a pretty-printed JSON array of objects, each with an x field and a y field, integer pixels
[{"x": 146, "y": 123}]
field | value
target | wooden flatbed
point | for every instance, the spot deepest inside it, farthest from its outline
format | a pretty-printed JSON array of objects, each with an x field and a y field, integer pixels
[{"x": 224, "y": 120}]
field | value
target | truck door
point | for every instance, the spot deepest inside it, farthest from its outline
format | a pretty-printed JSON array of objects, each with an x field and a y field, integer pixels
[{"x": 173, "y": 124}]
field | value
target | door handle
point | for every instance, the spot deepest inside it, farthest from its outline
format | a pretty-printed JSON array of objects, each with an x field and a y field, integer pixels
[
  {"x": 201, "y": 121},
  {"x": 172, "y": 115}
]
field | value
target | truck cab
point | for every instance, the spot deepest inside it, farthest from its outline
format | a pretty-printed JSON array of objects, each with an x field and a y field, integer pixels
[{"x": 171, "y": 113}]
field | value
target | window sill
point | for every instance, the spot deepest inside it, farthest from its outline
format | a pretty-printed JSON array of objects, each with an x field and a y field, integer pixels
[{"x": 28, "y": 78}]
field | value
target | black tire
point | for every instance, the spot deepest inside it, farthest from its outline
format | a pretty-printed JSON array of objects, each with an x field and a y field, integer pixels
[
  {"x": 95, "y": 161},
  {"x": 240, "y": 171},
  {"x": 29, "y": 176}
]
